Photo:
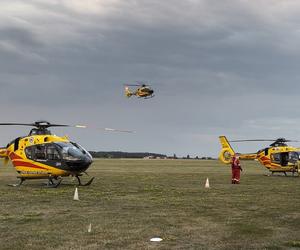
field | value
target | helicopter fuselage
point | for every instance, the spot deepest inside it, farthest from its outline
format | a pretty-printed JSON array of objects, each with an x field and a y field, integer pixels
[
  {"x": 143, "y": 91},
  {"x": 43, "y": 156},
  {"x": 278, "y": 157}
]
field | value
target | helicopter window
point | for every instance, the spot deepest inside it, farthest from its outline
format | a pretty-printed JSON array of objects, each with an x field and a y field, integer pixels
[
  {"x": 145, "y": 90},
  {"x": 276, "y": 158},
  {"x": 281, "y": 158},
  {"x": 293, "y": 157},
  {"x": 52, "y": 153},
  {"x": 40, "y": 152},
  {"x": 84, "y": 151},
  {"x": 284, "y": 159},
  {"x": 69, "y": 151},
  {"x": 29, "y": 152}
]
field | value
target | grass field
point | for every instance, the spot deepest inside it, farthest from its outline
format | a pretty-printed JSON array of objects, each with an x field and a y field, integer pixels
[{"x": 132, "y": 201}]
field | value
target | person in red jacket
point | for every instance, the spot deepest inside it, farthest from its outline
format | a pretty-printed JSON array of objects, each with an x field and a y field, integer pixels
[{"x": 236, "y": 169}]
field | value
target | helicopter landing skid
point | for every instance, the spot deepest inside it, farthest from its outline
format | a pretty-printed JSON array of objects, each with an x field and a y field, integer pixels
[
  {"x": 149, "y": 97},
  {"x": 17, "y": 184},
  {"x": 86, "y": 184},
  {"x": 53, "y": 183}
]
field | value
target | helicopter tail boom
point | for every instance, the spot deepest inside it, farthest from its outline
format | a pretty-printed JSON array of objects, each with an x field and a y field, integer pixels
[
  {"x": 3, "y": 154},
  {"x": 227, "y": 152}
]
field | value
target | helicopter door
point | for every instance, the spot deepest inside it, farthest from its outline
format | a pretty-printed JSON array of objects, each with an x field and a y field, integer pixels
[
  {"x": 281, "y": 158},
  {"x": 53, "y": 157},
  {"x": 40, "y": 153},
  {"x": 284, "y": 159}
]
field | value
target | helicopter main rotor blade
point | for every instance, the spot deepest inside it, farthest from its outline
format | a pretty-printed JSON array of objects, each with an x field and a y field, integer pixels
[
  {"x": 134, "y": 85},
  {"x": 16, "y": 124},
  {"x": 252, "y": 140},
  {"x": 43, "y": 124},
  {"x": 38, "y": 125},
  {"x": 105, "y": 129},
  {"x": 269, "y": 140}
]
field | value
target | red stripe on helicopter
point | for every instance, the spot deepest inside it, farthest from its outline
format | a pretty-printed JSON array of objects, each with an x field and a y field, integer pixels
[
  {"x": 14, "y": 156},
  {"x": 264, "y": 158},
  {"x": 27, "y": 164},
  {"x": 266, "y": 161}
]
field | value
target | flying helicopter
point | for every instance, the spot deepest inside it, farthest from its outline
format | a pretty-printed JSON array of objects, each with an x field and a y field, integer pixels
[
  {"x": 278, "y": 157},
  {"x": 142, "y": 91},
  {"x": 43, "y": 155}
]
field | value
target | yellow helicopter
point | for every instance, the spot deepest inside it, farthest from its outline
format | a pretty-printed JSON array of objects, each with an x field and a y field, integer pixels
[
  {"x": 278, "y": 157},
  {"x": 143, "y": 91},
  {"x": 42, "y": 155}
]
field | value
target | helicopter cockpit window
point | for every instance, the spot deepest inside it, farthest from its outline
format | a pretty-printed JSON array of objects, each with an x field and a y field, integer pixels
[
  {"x": 40, "y": 152},
  {"x": 29, "y": 152},
  {"x": 70, "y": 152},
  {"x": 81, "y": 149},
  {"x": 293, "y": 157},
  {"x": 275, "y": 158},
  {"x": 286, "y": 157},
  {"x": 52, "y": 153}
]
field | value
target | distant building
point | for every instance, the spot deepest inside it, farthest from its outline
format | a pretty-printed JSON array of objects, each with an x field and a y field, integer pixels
[{"x": 148, "y": 157}]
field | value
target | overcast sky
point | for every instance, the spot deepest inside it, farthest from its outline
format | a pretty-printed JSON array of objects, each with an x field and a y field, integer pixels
[{"x": 217, "y": 67}]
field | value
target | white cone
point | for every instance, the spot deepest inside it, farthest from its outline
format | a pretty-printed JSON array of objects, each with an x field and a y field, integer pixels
[
  {"x": 207, "y": 183},
  {"x": 90, "y": 228},
  {"x": 76, "y": 197}
]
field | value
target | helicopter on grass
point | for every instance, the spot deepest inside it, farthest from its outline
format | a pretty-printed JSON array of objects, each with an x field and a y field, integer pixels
[
  {"x": 43, "y": 155},
  {"x": 142, "y": 91},
  {"x": 279, "y": 157}
]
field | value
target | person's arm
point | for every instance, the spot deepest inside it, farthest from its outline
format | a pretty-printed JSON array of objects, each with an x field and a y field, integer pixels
[{"x": 239, "y": 165}]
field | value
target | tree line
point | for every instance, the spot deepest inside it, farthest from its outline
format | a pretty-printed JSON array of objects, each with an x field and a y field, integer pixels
[
  {"x": 119, "y": 154},
  {"x": 140, "y": 155}
]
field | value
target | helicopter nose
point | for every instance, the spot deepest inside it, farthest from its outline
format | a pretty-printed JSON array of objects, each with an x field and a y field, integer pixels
[{"x": 81, "y": 165}]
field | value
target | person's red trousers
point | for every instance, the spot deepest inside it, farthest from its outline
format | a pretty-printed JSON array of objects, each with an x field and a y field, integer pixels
[{"x": 236, "y": 176}]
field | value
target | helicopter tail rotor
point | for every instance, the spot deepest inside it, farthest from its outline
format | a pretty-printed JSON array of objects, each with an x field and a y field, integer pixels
[
  {"x": 227, "y": 151},
  {"x": 128, "y": 93}
]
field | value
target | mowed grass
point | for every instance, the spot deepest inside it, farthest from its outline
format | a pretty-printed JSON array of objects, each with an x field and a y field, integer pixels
[{"x": 132, "y": 201}]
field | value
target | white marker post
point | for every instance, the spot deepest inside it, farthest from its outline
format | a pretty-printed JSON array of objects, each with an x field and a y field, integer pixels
[
  {"x": 76, "y": 197},
  {"x": 207, "y": 183},
  {"x": 156, "y": 239}
]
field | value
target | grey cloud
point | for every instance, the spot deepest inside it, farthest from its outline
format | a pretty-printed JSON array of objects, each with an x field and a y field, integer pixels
[{"x": 215, "y": 66}]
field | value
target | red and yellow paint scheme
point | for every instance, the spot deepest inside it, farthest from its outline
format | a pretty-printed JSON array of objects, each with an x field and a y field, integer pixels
[
  {"x": 42, "y": 155},
  {"x": 29, "y": 168},
  {"x": 143, "y": 90},
  {"x": 278, "y": 157}
]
